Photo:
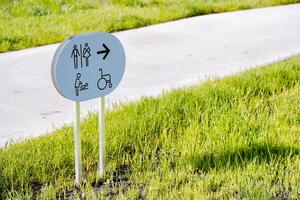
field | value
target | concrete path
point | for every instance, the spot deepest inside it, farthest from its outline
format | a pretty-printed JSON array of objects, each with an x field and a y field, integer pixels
[{"x": 159, "y": 57}]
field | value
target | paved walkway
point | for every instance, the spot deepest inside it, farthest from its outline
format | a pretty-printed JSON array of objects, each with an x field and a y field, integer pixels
[{"x": 159, "y": 57}]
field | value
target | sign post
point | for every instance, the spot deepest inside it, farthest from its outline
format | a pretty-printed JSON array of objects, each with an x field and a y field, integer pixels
[
  {"x": 102, "y": 136},
  {"x": 77, "y": 142},
  {"x": 85, "y": 67}
]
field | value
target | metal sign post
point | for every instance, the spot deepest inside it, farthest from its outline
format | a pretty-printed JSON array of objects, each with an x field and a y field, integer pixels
[
  {"x": 102, "y": 136},
  {"x": 86, "y": 67},
  {"x": 77, "y": 142}
]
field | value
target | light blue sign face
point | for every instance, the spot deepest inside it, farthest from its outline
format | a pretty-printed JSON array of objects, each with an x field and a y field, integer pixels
[{"x": 88, "y": 66}]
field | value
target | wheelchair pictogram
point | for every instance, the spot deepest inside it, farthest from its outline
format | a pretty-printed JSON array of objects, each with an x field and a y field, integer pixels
[{"x": 104, "y": 80}]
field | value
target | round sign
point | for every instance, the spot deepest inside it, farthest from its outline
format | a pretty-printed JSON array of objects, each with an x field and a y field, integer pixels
[{"x": 88, "y": 66}]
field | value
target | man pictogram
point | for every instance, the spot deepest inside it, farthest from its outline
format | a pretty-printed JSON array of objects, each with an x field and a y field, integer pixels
[{"x": 74, "y": 55}]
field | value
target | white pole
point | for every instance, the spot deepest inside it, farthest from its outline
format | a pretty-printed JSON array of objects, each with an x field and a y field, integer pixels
[
  {"x": 101, "y": 137},
  {"x": 77, "y": 142}
]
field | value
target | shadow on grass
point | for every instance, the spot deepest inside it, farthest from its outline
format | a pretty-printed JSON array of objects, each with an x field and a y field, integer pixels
[{"x": 261, "y": 153}]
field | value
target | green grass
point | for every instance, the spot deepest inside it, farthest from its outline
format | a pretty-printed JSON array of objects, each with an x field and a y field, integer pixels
[
  {"x": 232, "y": 138},
  {"x": 30, "y": 23}
]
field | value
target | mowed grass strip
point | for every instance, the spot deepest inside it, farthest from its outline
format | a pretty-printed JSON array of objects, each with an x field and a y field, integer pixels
[
  {"x": 237, "y": 137},
  {"x": 30, "y": 23}
]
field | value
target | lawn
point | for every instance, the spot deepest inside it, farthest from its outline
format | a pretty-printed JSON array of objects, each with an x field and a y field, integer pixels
[
  {"x": 231, "y": 138},
  {"x": 30, "y": 23}
]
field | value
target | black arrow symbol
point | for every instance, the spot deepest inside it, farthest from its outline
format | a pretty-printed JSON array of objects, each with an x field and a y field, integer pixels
[{"x": 106, "y": 51}]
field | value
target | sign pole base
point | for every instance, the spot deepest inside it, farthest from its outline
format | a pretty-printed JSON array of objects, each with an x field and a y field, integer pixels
[
  {"x": 102, "y": 137},
  {"x": 77, "y": 143}
]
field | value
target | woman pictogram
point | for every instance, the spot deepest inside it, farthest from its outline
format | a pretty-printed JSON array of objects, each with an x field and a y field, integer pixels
[{"x": 86, "y": 53}]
